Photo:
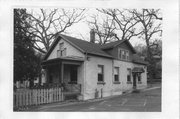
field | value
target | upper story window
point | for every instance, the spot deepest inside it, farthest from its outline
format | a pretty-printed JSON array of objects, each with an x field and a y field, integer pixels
[
  {"x": 116, "y": 74},
  {"x": 62, "y": 50},
  {"x": 123, "y": 54}
]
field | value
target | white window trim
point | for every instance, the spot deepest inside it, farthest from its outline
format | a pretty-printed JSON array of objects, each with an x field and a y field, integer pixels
[{"x": 120, "y": 57}]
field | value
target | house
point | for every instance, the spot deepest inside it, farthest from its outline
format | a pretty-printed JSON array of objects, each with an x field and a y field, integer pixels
[{"x": 93, "y": 71}]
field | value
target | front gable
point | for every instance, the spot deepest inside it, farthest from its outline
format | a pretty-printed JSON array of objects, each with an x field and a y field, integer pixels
[{"x": 69, "y": 50}]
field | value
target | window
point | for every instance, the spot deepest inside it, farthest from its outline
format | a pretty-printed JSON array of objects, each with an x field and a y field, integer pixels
[
  {"x": 100, "y": 73},
  {"x": 119, "y": 53},
  {"x": 123, "y": 54},
  {"x": 73, "y": 74},
  {"x": 61, "y": 46},
  {"x": 116, "y": 74},
  {"x": 62, "y": 51},
  {"x": 127, "y": 55},
  {"x": 128, "y": 75}
]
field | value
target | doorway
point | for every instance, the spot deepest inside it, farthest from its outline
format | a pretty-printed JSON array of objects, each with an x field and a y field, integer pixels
[
  {"x": 134, "y": 80},
  {"x": 73, "y": 74}
]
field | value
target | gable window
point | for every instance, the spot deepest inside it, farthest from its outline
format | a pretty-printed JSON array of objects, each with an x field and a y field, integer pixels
[
  {"x": 127, "y": 55},
  {"x": 123, "y": 54},
  {"x": 100, "y": 73},
  {"x": 61, "y": 46},
  {"x": 62, "y": 51},
  {"x": 128, "y": 75},
  {"x": 116, "y": 74}
]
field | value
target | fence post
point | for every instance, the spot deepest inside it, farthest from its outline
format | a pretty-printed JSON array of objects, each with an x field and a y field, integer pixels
[
  {"x": 44, "y": 95},
  {"x": 26, "y": 93},
  {"x": 30, "y": 97},
  {"x": 59, "y": 93}
]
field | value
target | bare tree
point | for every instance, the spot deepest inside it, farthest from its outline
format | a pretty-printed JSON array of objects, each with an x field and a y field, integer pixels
[
  {"x": 150, "y": 27},
  {"x": 119, "y": 24},
  {"x": 45, "y": 24},
  {"x": 150, "y": 20},
  {"x": 104, "y": 28}
]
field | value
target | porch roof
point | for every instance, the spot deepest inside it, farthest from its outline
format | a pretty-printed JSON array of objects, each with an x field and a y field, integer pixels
[
  {"x": 138, "y": 70},
  {"x": 60, "y": 59}
]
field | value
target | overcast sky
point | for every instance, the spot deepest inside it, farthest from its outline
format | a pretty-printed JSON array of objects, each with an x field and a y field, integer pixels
[{"x": 82, "y": 29}]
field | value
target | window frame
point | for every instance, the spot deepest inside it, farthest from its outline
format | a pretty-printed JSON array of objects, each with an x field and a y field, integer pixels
[
  {"x": 123, "y": 56},
  {"x": 100, "y": 74},
  {"x": 116, "y": 68},
  {"x": 62, "y": 50},
  {"x": 61, "y": 46}
]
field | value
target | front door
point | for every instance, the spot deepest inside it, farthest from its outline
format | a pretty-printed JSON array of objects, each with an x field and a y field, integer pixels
[
  {"x": 73, "y": 74},
  {"x": 134, "y": 80}
]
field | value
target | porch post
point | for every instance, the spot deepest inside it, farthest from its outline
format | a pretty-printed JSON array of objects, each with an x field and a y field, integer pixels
[
  {"x": 62, "y": 72},
  {"x": 47, "y": 75}
]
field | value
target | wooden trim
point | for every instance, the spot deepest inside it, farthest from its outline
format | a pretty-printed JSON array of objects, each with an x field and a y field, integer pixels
[{"x": 72, "y": 63}]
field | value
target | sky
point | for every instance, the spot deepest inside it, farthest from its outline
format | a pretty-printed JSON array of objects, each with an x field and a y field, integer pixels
[{"x": 81, "y": 29}]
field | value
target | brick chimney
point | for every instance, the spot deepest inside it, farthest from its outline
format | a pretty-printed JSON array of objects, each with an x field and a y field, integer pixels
[{"x": 92, "y": 36}]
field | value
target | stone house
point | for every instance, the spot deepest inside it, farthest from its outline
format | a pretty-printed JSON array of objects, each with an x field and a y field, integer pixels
[{"x": 88, "y": 70}]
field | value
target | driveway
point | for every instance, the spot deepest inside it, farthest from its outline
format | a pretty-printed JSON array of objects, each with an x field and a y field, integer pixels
[{"x": 145, "y": 101}]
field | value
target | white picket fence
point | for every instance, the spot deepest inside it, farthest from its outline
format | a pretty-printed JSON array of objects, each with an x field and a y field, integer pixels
[{"x": 28, "y": 97}]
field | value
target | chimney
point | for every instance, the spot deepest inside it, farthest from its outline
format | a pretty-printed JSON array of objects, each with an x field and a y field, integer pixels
[{"x": 92, "y": 36}]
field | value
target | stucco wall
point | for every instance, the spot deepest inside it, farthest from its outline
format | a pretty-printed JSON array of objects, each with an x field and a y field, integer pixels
[
  {"x": 70, "y": 50},
  {"x": 109, "y": 88},
  {"x": 91, "y": 77},
  {"x": 123, "y": 66}
]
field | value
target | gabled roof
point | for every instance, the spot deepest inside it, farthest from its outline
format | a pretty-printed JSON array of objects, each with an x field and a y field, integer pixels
[
  {"x": 81, "y": 45},
  {"x": 116, "y": 43},
  {"x": 92, "y": 48}
]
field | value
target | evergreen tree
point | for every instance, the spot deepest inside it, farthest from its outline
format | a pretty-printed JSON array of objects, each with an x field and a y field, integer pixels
[{"x": 26, "y": 62}]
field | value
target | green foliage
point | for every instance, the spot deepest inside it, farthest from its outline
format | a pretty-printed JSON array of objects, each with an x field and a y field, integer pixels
[{"x": 26, "y": 62}]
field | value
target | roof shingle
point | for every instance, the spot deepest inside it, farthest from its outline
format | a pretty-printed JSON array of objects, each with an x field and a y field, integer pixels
[
  {"x": 86, "y": 46},
  {"x": 92, "y": 48}
]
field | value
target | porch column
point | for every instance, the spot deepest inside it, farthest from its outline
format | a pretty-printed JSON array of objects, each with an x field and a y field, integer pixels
[
  {"x": 62, "y": 72},
  {"x": 47, "y": 75}
]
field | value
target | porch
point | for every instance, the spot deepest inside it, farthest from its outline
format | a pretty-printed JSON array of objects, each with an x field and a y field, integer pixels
[{"x": 67, "y": 73}]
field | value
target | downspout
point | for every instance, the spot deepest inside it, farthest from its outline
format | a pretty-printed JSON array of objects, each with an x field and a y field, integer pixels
[
  {"x": 112, "y": 74},
  {"x": 84, "y": 81}
]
